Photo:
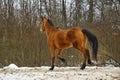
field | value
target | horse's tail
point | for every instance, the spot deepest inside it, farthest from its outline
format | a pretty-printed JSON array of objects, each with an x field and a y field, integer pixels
[{"x": 93, "y": 42}]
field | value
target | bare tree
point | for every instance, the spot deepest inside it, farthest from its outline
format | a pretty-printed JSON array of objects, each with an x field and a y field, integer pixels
[
  {"x": 64, "y": 17},
  {"x": 78, "y": 12},
  {"x": 90, "y": 16}
]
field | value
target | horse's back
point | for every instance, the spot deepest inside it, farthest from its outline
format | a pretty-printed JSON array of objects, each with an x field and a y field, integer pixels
[
  {"x": 60, "y": 39},
  {"x": 65, "y": 38},
  {"x": 74, "y": 33}
]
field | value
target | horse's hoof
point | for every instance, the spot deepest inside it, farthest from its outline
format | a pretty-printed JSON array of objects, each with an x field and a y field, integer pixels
[
  {"x": 83, "y": 67},
  {"x": 63, "y": 60},
  {"x": 52, "y": 67},
  {"x": 89, "y": 62}
]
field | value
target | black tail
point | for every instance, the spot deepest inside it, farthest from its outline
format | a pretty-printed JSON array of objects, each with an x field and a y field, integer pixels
[{"x": 93, "y": 41}]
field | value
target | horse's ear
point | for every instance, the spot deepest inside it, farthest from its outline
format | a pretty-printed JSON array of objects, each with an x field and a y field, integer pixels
[
  {"x": 45, "y": 17},
  {"x": 41, "y": 17}
]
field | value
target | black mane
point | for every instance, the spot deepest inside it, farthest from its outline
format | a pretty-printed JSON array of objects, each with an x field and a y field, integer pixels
[{"x": 50, "y": 22}]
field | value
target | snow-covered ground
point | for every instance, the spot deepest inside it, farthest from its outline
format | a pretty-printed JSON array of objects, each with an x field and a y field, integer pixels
[{"x": 12, "y": 72}]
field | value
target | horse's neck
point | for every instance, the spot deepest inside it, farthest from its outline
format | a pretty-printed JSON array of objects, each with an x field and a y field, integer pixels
[{"x": 49, "y": 29}]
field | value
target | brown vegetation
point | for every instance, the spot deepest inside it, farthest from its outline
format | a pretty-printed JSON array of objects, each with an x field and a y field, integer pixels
[{"x": 22, "y": 43}]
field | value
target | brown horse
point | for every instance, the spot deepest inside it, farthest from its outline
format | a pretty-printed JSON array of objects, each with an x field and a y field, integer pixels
[{"x": 76, "y": 37}]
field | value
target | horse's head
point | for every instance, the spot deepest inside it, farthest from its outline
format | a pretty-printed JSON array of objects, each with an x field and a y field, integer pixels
[{"x": 43, "y": 21}]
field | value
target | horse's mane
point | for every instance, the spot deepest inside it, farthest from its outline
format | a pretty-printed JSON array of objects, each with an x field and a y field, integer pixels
[{"x": 50, "y": 22}]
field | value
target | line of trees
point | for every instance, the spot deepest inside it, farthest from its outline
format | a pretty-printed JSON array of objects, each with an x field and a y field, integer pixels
[{"x": 22, "y": 43}]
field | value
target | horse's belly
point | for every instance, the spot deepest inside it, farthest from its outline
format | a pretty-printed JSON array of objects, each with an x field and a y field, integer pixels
[
  {"x": 61, "y": 41},
  {"x": 63, "y": 45}
]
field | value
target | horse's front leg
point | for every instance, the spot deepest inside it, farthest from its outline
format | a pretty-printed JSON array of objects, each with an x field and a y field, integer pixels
[
  {"x": 60, "y": 56},
  {"x": 52, "y": 50}
]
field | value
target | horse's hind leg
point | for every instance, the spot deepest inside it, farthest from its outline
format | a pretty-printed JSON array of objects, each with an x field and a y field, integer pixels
[
  {"x": 85, "y": 58},
  {"x": 84, "y": 52},
  {"x": 60, "y": 56},
  {"x": 88, "y": 54}
]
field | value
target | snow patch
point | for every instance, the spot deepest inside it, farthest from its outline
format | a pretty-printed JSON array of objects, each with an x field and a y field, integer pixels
[
  {"x": 11, "y": 66},
  {"x": 13, "y": 72}
]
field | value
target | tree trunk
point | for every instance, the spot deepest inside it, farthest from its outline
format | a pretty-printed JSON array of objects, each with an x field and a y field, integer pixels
[
  {"x": 64, "y": 18},
  {"x": 77, "y": 14},
  {"x": 90, "y": 16}
]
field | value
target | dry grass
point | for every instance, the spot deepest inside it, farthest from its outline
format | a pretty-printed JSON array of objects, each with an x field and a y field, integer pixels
[{"x": 30, "y": 47}]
